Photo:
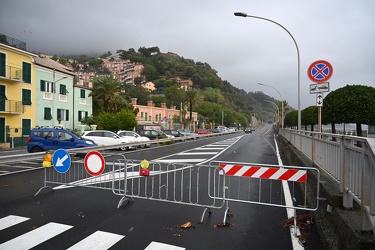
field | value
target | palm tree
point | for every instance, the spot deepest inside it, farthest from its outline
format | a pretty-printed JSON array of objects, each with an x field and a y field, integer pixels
[
  {"x": 106, "y": 90},
  {"x": 191, "y": 97}
]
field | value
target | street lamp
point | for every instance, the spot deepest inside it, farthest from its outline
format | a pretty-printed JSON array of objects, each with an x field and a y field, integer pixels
[
  {"x": 282, "y": 103},
  {"x": 241, "y": 14},
  {"x": 273, "y": 112},
  {"x": 278, "y": 110}
]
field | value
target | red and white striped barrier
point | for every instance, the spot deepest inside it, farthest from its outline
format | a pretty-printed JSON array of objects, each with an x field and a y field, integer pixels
[{"x": 272, "y": 173}]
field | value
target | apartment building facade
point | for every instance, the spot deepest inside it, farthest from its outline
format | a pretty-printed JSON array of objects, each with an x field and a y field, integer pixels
[
  {"x": 17, "y": 93},
  {"x": 61, "y": 101}
]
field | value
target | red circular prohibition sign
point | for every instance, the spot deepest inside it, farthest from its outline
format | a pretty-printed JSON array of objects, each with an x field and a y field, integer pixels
[
  {"x": 320, "y": 71},
  {"x": 94, "y": 163}
]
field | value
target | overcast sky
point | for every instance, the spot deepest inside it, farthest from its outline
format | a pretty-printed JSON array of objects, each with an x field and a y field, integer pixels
[{"x": 244, "y": 51}]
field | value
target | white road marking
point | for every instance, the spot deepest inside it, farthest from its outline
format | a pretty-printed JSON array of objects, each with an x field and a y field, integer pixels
[
  {"x": 289, "y": 202},
  {"x": 35, "y": 237},
  {"x": 180, "y": 160},
  {"x": 98, "y": 240},
  {"x": 198, "y": 153},
  {"x": 11, "y": 220},
  {"x": 161, "y": 246}
]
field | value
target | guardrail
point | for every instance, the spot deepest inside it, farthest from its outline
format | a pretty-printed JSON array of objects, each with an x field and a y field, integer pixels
[{"x": 349, "y": 160}]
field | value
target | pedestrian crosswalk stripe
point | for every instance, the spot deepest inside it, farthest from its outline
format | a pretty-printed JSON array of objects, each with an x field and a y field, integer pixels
[
  {"x": 11, "y": 220},
  {"x": 161, "y": 246},
  {"x": 98, "y": 240},
  {"x": 35, "y": 237}
]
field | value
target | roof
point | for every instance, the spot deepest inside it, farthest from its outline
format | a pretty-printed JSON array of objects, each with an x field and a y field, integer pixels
[{"x": 49, "y": 63}]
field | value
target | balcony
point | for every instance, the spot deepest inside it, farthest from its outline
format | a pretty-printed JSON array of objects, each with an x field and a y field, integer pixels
[
  {"x": 11, "y": 107},
  {"x": 12, "y": 74}
]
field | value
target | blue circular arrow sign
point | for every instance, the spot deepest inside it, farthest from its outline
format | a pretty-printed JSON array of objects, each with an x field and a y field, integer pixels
[
  {"x": 61, "y": 161},
  {"x": 320, "y": 71}
]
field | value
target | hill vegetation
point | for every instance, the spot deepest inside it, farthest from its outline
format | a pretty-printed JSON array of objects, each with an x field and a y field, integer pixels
[{"x": 212, "y": 96}]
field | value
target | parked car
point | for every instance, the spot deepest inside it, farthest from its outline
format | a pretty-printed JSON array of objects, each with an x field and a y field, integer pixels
[
  {"x": 201, "y": 131},
  {"x": 44, "y": 139},
  {"x": 107, "y": 138},
  {"x": 248, "y": 130},
  {"x": 155, "y": 134},
  {"x": 188, "y": 133},
  {"x": 135, "y": 136},
  {"x": 174, "y": 133}
]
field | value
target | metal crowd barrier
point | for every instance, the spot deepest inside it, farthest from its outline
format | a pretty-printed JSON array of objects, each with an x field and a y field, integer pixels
[
  {"x": 201, "y": 186},
  {"x": 263, "y": 184},
  {"x": 193, "y": 185}
]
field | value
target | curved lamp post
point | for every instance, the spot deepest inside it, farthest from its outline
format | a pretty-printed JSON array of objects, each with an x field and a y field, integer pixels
[
  {"x": 278, "y": 110},
  {"x": 242, "y": 14},
  {"x": 273, "y": 112},
  {"x": 282, "y": 103}
]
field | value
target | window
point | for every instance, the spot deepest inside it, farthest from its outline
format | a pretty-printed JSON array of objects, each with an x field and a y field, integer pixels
[
  {"x": 2, "y": 64},
  {"x": 141, "y": 114},
  {"x": 47, "y": 114},
  {"x": 83, "y": 93},
  {"x": 62, "y": 136},
  {"x": 62, "y": 114},
  {"x": 46, "y": 86},
  {"x": 26, "y": 72},
  {"x": 82, "y": 115},
  {"x": 26, "y": 97},
  {"x": 63, "y": 90}
]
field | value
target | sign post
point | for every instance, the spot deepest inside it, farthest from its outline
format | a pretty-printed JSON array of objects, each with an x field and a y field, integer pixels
[{"x": 319, "y": 72}]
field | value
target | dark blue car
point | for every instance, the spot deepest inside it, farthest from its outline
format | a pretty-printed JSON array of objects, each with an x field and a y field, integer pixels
[{"x": 44, "y": 139}]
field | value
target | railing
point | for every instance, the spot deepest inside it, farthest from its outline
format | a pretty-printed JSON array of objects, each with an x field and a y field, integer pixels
[
  {"x": 12, "y": 107},
  {"x": 349, "y": 160},
  {"x": 12, "y": 74}
]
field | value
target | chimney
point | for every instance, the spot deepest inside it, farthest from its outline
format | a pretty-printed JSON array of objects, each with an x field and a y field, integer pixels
[
  {"x": 134, "y": 101},
  {"x": 163, "y": 105},
  {"x": 149, "y": 104}
]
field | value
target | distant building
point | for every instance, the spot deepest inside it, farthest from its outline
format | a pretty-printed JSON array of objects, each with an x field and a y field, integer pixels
[{"x": 165, "y": 117}]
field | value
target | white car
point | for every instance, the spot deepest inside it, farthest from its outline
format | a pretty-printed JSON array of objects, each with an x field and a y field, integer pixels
[
  {"x": 107, "y": 138},
  {"x": 134, "y": 136}
]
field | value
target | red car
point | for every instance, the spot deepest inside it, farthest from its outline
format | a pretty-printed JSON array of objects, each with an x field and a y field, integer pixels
[{"x": 203, "y": 132}]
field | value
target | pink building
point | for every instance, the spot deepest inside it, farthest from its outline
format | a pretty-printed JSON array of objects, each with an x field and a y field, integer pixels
[{"x": 159, "y": 116}]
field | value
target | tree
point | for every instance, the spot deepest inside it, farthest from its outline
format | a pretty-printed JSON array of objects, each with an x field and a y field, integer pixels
[
  {"x": 350, "y": 104},
  {"x": 291, "y": 119},
  {"x": 191, "y": 97},
  {"x": 150, "y": 72},
  {"x": 122, "y": 120},
  {"x": 309, "y": 116},
  {"x": 106, "y": 54},
  {"x": 174, "y": 95},
  {"x": 105, "y": 91},
  {"x": 138, "y": 92}
]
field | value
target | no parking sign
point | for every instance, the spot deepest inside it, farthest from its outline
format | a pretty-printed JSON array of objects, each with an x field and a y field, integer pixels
[{"x": 320, "y": 71}]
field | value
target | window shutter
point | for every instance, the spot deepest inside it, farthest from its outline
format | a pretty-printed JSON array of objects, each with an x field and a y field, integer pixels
[
  {"x": 42, "y": 85},
  {"x": 26, "y": 72},
  {"x": 2, "y": 64},
  {"x": 67, "y": 115},
  {"x": 79, "y": 116},
  {"x": 26, "y": 97},
  {"x": 82, "y": 93}
]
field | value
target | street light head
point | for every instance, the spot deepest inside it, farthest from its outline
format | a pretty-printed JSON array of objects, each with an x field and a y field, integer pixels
[
  {"x": 243, "y": 14},
  {"x": 260, "y": 83}
]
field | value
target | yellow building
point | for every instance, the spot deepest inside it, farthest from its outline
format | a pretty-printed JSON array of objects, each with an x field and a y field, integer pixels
[{"x": 17, "y": 95}]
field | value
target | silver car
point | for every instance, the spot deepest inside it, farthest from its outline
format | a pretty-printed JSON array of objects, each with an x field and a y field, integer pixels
[{"x": 107, "y": 138}]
